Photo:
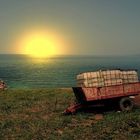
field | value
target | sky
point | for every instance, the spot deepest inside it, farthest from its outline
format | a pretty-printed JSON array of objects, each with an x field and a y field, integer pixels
[{"x": 88, "y": 27}]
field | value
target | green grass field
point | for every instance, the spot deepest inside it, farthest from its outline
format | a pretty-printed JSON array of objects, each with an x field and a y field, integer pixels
[{"x": 36, "y": 114}]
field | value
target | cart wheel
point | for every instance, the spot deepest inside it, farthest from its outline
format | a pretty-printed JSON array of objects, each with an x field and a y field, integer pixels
[{"x": 126, "y": 104}]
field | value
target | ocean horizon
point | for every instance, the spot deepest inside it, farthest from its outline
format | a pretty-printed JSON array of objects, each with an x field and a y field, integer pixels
[{"x": 24, "y": 72}]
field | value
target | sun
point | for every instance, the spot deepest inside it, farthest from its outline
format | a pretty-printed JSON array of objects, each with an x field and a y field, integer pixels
[{"x": 40, "y": 44}]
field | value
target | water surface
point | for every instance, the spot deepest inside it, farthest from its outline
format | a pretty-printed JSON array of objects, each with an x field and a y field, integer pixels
[{"x": 21, "y": 71}]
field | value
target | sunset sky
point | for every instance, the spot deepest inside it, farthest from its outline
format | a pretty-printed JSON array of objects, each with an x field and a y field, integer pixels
[{"x": 83, "y": 27}]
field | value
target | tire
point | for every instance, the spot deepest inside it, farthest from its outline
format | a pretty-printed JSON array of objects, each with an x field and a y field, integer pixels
[{"x": 126, "y": 104}]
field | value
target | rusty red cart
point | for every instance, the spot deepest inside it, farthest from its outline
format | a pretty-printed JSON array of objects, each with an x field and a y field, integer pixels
[{"x": 118, "y": 95}]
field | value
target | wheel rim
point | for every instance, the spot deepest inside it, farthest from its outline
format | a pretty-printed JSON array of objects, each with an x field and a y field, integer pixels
[{"x": 127, "y": 104}]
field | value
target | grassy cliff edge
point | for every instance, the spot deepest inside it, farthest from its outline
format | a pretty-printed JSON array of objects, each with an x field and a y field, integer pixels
[{"x": 36, "y": 114}]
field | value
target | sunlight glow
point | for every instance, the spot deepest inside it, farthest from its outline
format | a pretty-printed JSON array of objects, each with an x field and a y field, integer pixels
[{"x": 39, "y": 44}]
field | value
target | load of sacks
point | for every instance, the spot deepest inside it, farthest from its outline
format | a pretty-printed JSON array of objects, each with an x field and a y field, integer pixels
[{"x": 106, "y": 78}]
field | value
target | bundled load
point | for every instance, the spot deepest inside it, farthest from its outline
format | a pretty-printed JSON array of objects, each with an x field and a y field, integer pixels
[
  {"x": 129, "y": 76},
  {"x": 90, "y": 79},
  {"x": 106, "y": 78},
  {"x": 111, "y": 77}
]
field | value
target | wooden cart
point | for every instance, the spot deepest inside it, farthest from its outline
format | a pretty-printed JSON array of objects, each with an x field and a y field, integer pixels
[{"x": 115, "y": 95}]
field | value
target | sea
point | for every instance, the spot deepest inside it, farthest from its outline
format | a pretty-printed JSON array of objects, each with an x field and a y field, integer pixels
[{"x": 24, "y": 72}]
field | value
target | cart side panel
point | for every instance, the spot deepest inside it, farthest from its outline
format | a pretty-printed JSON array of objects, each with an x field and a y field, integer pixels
[
  {"x": 137, "y": 87},
  {"x": 111, "y": 91},
  {"x": 129, "y": 88},
  {"x": 91, "y": 94},
  {"x": 132, "y": 88}
]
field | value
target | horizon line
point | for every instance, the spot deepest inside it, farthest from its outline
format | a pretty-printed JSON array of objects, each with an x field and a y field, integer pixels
[{"x": 77, "y": 54}]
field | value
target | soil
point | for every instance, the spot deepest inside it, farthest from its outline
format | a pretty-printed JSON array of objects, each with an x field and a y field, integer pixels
[{"x": 98, "y": 116}]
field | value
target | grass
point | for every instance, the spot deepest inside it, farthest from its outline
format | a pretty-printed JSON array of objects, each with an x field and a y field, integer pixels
[{"x": 36, "y": 114}]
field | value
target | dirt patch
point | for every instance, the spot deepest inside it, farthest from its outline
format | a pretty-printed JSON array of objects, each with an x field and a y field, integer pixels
[
  {"x": 98, "y": 116},
  {"x": 86, "y": 122},
  {"x": 14, "y": 117},
  {"x": 2, "y": 117},
  {"x": 60, "y": 131},
  {"x": 34, "y": 109},
  {"x": 45, "y": 117}
]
